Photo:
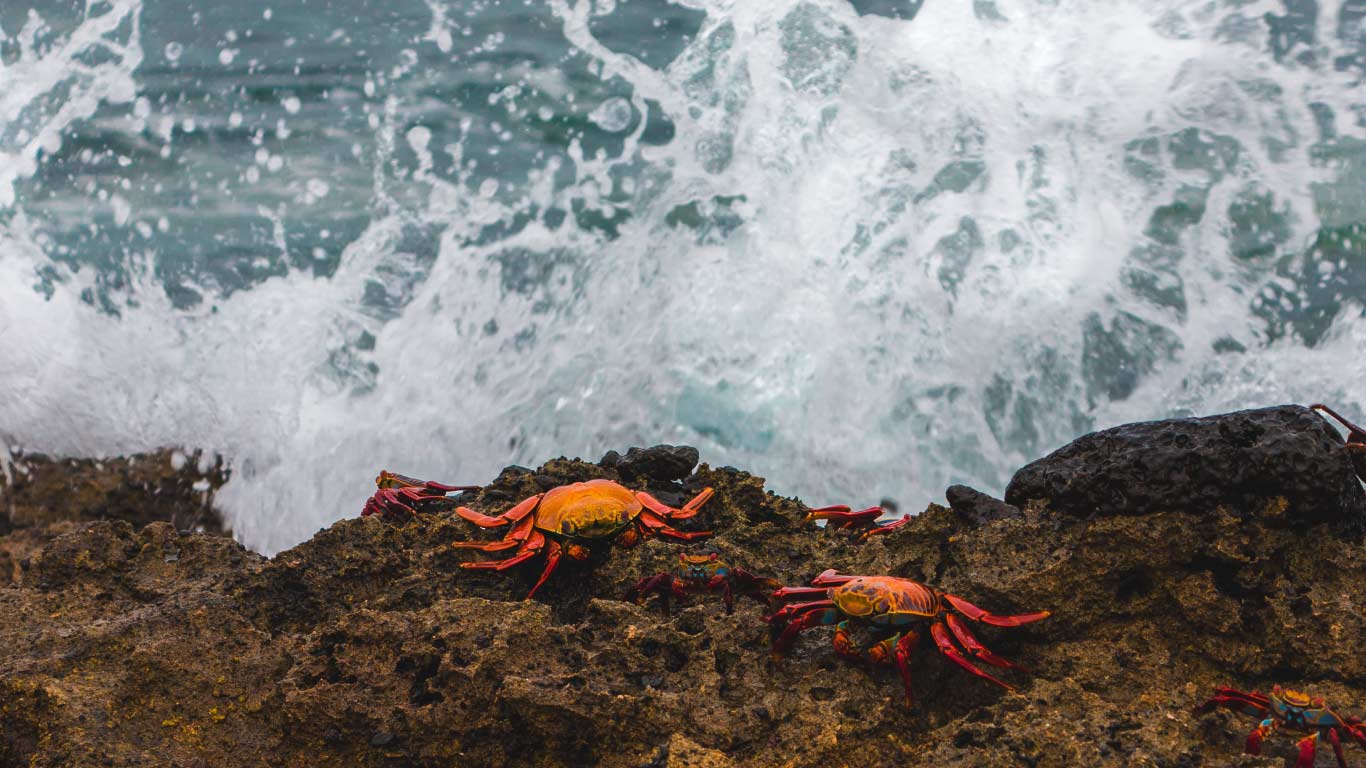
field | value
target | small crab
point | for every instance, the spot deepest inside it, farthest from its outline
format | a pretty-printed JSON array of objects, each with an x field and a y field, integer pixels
[
  {"x": 1356, "y": 440},
  {"x": 399, "y": 493},
  {"x": 703, "y": 572},
  {"x": 864, "y": 523},
  {"x": 564, "y": 520},
  {"x": 890, "y": 607},
  {"x": 1295, "y": 711}
]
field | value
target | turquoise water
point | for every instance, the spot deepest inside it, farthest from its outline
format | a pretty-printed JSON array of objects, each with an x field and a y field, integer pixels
[{"x": 867, "y": 249}]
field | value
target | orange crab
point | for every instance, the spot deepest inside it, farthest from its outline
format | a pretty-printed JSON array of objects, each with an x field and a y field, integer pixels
[
  {"x": 566, "y": 520},
  {"x": 890, "y": 608}
]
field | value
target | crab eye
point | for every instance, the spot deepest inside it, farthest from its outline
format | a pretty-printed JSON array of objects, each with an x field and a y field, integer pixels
[{"x": 577, "y": 551}]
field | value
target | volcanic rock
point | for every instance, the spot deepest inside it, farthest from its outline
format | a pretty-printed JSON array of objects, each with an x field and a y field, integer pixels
[
  {"x": 368, "y": 646},
  {"x": 976, "y": 507},
  {"x": 661, "y": 462},
  {"x": 1198, "y": 464}
]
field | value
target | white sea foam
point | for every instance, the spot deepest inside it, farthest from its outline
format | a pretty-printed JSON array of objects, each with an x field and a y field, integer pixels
[{"x": 834, "y": 318}]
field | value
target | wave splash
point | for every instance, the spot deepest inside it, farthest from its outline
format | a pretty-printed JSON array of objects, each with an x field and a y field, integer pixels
[{"x": 867, "y": 256}]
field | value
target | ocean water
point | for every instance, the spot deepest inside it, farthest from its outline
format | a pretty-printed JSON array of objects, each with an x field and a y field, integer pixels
[{"x": 866, "y": 249}]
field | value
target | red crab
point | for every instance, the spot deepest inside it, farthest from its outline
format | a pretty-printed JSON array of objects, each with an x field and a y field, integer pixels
[
  {"x": 889, "y": 606},
  {"x": 1295, "y": 711},
  {"x": 864, "y": 522},
  {"x": 401, "y": 493},
  {"x": 1356, "y": 440},
  {"x": 564, "y": 520},
  {"x": 703, "y": 572}
]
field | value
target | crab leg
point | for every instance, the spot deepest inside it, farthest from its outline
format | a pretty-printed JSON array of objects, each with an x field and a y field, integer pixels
[
  {"x": 975, "y": 647},
  {"x": 529, "y": 549},
  {"x": 904, "y": 647},
  {"x": 843, "y": 514},
  {"x": 653, "y": 525},
  {"x": 1337, "y": 747},
  {"x": 552, "y": 559},
  {"x": 884, "y": 528},
  {"x": 787, "y": 612},
  {"x": 977, "y": 614},
  {"x": 790, "y": 592},
  {"x": 719, "y": 582},
  {"x": 1258, "y": 735},
  {"x": 946, "y": 647},
  {"x": 1354, "y": 728},
  {"x": 669, "y": 513},
  {"x": 1308, "y": 746},
  {"x": 1253, "y": 704},
  {"x": 515, "y": 537},
  {"x": 511, "y": 516},
  {"x": 816, "y": 614},
  {"x": 663, "y": 583},
  {"x": 1358, "y": 434}
]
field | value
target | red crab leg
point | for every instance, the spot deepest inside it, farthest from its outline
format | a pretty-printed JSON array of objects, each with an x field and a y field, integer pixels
[
  {"x": 1358, "y": 434},
  {"x": 884, "y": 528},
  {"x": 977, "y": 614},
  {"x": 829, "y": 578},
  {"x": 658, "y": 527},
  {"x": 719, "y": 582},
  {"x": 1308, "y": 746},
  {"x": 693, "y": 506},
  {"x": 660, "y": 582},
  {"x": 787, "y": 593},
  {"x": 1258, "y": 735},
  {"x": 787, "y": 612},
  {"x": 511, "y": 516},
  {"x": 669, "y": 513},
  {"x": 1337, "y": 747},
  {"x": 516, "y": 536},
  {"x": 946, "y": 647},
  {"x": 816, "y": 614},
  {"x": 530, "y": 548},
  {"x": 844, "y": 515},
  {"x": 754, "y": 586},
  {"x": 975, "y": 647},
  {"x": 552, "y": 559},
  {"x": 904, "y": 647},
  {"x": 1354, "y": 728},
  {"x": 1253, "y": 704}
]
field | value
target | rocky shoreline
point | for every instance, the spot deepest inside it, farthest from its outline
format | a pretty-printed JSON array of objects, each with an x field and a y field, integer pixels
[{"x": 133, "y": 643}]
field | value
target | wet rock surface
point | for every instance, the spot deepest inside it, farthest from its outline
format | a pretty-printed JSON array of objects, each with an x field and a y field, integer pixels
[
  {"x": 1198, "y": 464},
  {"x": 41, "y": 497},
  {"x": 661, "y": 462},
  {"x": 976, "y": 507},
  {"x": 368, "y": 646}
]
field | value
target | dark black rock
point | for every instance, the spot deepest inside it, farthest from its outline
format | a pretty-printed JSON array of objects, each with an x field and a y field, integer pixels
[
  {"x": 381, "y": 739},
  {"x": 973, "y": 506},
  {"x": 1200, "y": 463},
  {"x": 662, "y": 462}
]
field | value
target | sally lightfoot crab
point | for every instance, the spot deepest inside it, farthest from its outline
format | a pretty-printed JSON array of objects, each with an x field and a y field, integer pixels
[
  {"x": 890, "y": 607},
  {"x": 1356, "y": 440},
  {"x": 863, "y": 523},
  {"x": 1292, "y": 710},
  {"x": 398, "y": 494},
  {"x": 705, "y": 572},
  {"x": 565, "y": 520}
]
